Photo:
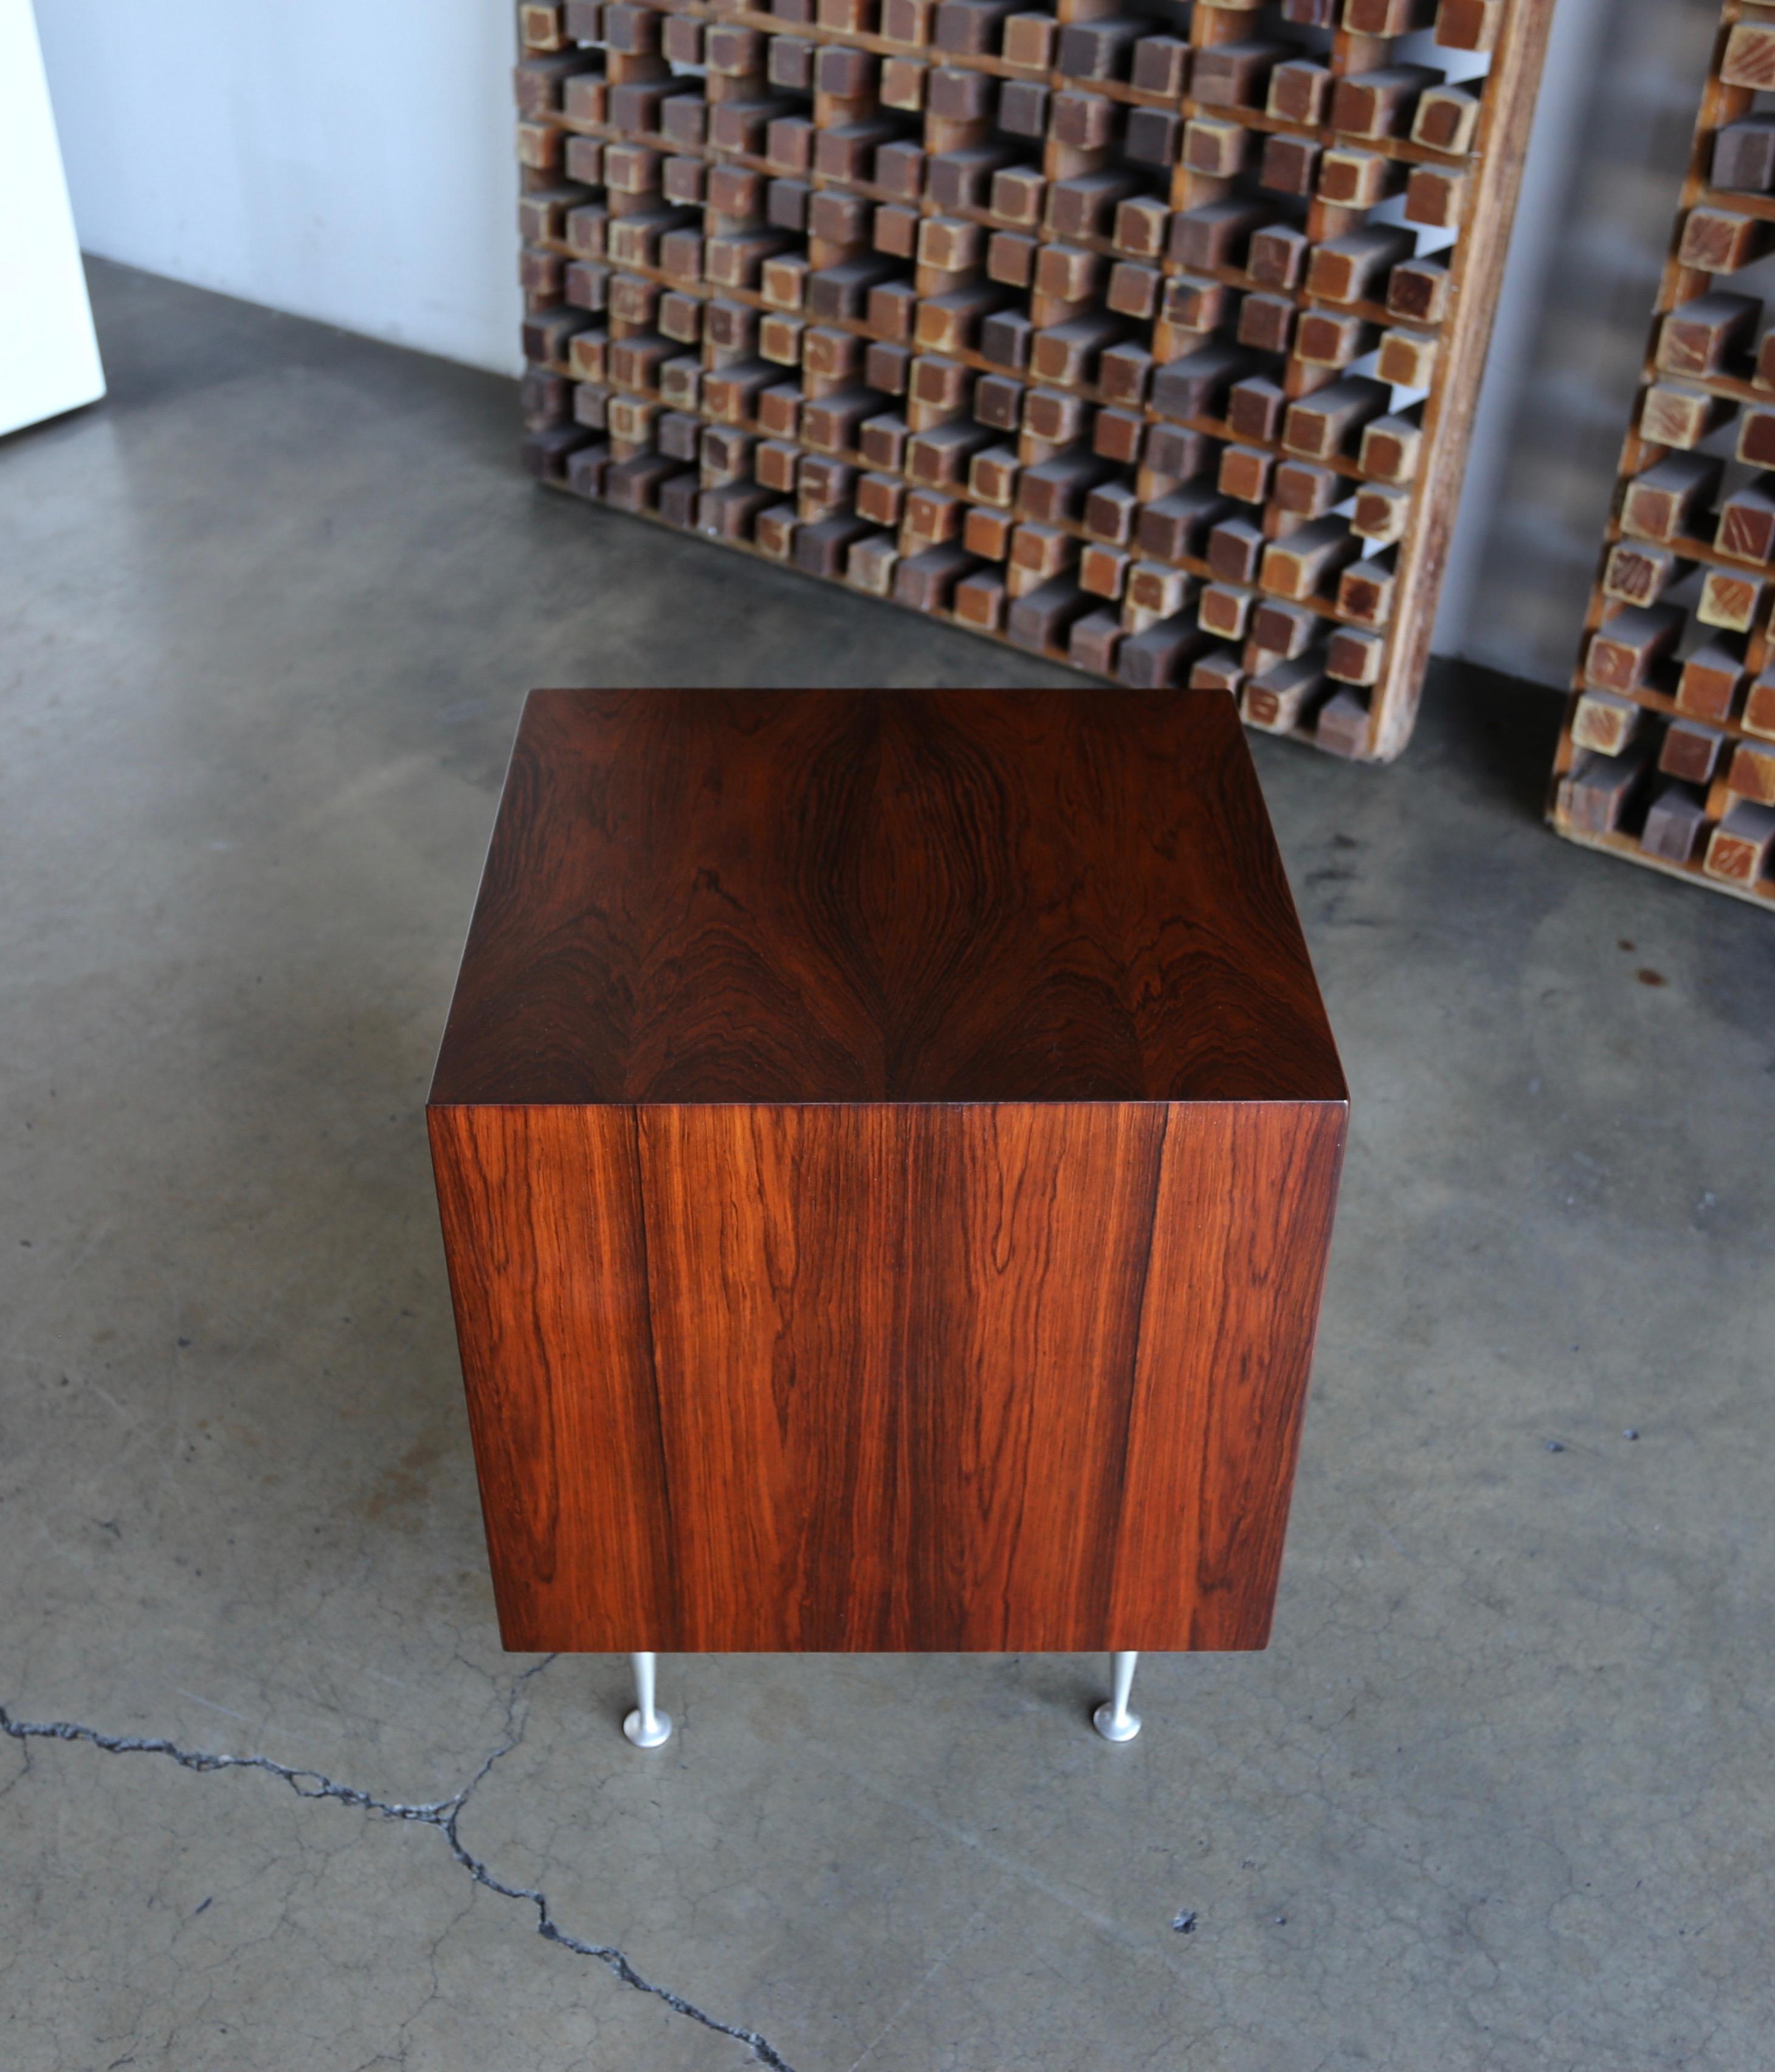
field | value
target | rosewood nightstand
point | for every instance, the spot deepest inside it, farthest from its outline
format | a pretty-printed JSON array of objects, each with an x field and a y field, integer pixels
[{"x": 886, "y": 1144}]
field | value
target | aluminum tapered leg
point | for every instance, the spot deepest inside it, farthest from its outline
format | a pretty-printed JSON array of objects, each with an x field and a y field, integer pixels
[
  {"x": 1113, "y": 1720},
  {"x": 646, "y": 1726}
]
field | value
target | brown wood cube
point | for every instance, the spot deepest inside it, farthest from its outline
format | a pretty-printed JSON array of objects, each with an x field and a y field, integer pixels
[
  {"x": 1175, "y": 526},
  {"x": 1624, "y": 648},
  {"x": 1691, "y": 751},
  {"x": 1330, "y": 338},
  {"x": 1380, "y": 103},
  {"x": 1759, "y": 713},
  {"x": 871, "y": 564},
  {"x": 1100, "y": 48},
  {"x": 979, "y": 600},
  {"x": 1342, "y": 725},
  {"x": 1348, "y": 268},
  {"x": 1141, "y": 226},
  {"x": 1746, "y": 525},
  {"x": 1381, "y": 515},
  {"x": 1111, "y": 510},
  {"x": 1212, "y": 146},
  {"x": 1739, "y": 848},
  {"x": 1300, "y": 91},
  {"x": 1102, "y": 570},
  {"x": 1750, "y": 774},
  {"x": 1635, "y": 574},
  {"x": 1267, "y": 323},
  {"x": 1041, "y": 619},
  {"x": 1721, "y": 241},
  {"x": 1245, "y": 474},
  {"x": 1285, "y": 631},
  {"x": 1365, "y": 593},
  {"x": 987, "y": 533},
  {"x": 1707, "y": 334},
  {"x": 1305, "y": 562},
  {"x": 1234, "y": 551},
  {"x": 1160, "y": 655},
  {"x": 1388, "y": 18},
  {"x": 1417, "y": 289},
  {"x": 1280, "y": 698},
  {"x": 1661, "y": 503},
  {"x": 1469, "y": 25},
  {"x": 992, "y": 478},
  {"x": 1353, "y": 657},
  {"x": 1028, "y": 40},
  {"x": 1160, "y": 65},
  {"x": 1676, "y": 823},
  {"x": 1224, "y": 610},
  {"x": 1594, "y": 796},
  {"x": 1710, "y": 679},
  {"x": 1092, "y": 642},
  {"x": 1351, "y": 178},
  {"x": 1326, "y": 423},
  {"x": 586, "y": 468},
  {"x": 1290, "y": 164},
  {"x": 1744, "y": 155},
  {"x": 970, "y": 26},
  {"x": 926, "y": 581},
  {"x": 1154, "y": 589},
  {"x": 1406, "y": 359},
  {"x": 1237, "y": 74}
]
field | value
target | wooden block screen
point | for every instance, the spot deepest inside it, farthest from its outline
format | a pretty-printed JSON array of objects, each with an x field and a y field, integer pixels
[
  {"x": 1668, "y": 755},
  {"x": 1148, "y": 341}
]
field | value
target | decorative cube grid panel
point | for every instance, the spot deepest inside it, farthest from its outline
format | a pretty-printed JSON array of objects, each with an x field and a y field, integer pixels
[
  {"x": 1668, "y": 754},
  {"x": 1146, "y": 341}
]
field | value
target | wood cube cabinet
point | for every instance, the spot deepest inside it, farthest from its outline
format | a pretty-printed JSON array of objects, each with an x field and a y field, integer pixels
[
  {"x": 1146, "y": 341},
  {"x": 886, "y": 1145}
]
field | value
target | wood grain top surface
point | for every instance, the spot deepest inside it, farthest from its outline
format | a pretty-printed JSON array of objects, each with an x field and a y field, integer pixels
[{"x": 711, "y": 897}]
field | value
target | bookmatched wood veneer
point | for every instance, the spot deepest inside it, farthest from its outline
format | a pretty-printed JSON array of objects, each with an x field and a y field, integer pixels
[{"x": 886, "y": 1145}]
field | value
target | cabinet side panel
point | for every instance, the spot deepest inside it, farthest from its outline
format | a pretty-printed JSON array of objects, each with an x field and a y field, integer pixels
[
  {"x": 1239, "y": 1242},
  {"x": 775, "y": 1240},
  {"x": 895, "y": 1358},
  {"x": 1022, "y": 1310},
  {"x": 543, "y": 1231}
]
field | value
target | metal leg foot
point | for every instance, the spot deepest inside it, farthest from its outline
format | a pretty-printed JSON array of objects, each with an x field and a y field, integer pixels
[
  {"x": 1112, "y": 1719},
  {"x": 646, "y": 1726}
]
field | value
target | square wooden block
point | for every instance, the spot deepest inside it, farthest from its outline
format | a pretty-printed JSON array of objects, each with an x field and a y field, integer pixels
[{"x": 886, "y": 1144}]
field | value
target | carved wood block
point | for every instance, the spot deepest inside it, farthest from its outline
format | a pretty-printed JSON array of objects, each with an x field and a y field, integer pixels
[{"x": 1676, "y": 825}]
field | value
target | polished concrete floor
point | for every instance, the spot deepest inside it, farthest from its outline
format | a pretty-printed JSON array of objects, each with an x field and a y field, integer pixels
[{"x": 1500, "y": 1797}]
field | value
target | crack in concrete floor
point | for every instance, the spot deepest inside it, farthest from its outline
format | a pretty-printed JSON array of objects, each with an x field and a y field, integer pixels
[{"x": 445, "y": 1814}]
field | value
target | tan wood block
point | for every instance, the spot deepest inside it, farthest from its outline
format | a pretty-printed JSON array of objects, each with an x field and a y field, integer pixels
[
  {"x": 1305, "y": 563},
  {"x": 1381, "y": 515},
  {"x": 1603, "y": 721},
  {"x": 1282, "y": 697},
  {"x": 1730, "y": 601},
  {"x": 1749, "y": 60}
]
